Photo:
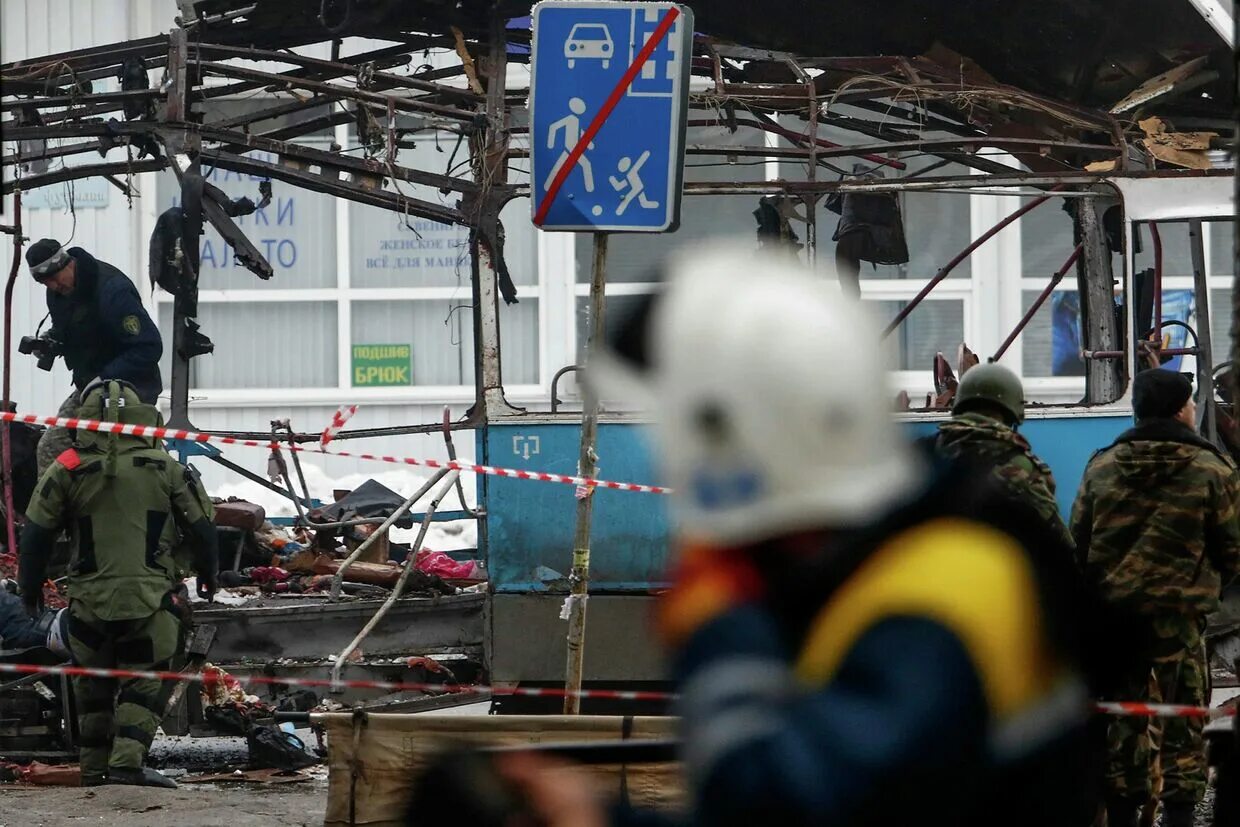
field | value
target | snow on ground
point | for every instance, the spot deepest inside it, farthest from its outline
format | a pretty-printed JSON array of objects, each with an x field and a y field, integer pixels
[{"x": 440, "y": 537}]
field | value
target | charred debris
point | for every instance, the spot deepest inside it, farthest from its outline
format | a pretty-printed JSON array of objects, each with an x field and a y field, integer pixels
[{"x": 1060, "y": 119}]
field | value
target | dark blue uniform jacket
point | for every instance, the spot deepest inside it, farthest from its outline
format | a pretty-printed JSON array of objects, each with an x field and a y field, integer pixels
[{"x": 104, "y": 330}]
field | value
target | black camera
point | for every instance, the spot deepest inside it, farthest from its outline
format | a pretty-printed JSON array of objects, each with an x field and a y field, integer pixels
[{"x": 44, "y": 347}]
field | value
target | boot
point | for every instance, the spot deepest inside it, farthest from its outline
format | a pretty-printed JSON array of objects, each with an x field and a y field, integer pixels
[
  {"x": 1122, "y": 812},
  {"x": 1178, "y": 813},
  {"x": 144, "y": 777},
  {"x": 94, "y": 779}
]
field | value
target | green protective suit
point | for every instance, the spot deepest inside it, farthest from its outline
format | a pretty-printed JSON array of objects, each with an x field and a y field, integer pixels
[{"x": 127, "y": 505}]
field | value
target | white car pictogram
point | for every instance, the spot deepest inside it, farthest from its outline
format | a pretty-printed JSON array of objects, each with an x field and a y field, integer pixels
[{"x": 588, "y": 41}]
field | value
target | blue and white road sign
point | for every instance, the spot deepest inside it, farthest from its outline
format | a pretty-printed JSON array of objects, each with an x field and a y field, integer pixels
[{"x": 608, "y": 102}]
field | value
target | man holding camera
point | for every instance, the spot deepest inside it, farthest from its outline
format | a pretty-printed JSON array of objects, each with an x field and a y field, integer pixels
[{"x": 98, "y": 324}]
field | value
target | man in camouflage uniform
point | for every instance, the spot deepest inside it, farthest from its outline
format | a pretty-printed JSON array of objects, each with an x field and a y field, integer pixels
[
  {"x": 1155, "y": 523},
  {"x": 989, "y": 407},
  {"x": 125, "y": 501}
]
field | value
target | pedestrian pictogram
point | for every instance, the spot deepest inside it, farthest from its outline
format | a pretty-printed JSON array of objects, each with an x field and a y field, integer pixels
[
  {"x": 570, "y": 127},
  {"x": 608, "y": 101}
]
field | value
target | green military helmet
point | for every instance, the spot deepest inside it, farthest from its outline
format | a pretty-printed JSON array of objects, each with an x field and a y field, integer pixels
[
  {"x": 992, "y": 386},
  {"x": 114, "y": 400}
]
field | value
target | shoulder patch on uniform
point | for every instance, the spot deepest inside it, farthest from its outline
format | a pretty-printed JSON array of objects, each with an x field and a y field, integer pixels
[
  {"x": 131, "y": 325},
  {"x": 69, "y": 459}
]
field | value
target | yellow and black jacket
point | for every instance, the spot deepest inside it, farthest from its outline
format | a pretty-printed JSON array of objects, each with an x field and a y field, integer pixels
[{"x": 919, "y": 672}]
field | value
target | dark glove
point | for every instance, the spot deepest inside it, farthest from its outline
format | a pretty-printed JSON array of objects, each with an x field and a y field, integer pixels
[
  {"x": 207, "y": 558},
  {"x": 207, "y": 587},
  {"x": 33, "y": 603}
]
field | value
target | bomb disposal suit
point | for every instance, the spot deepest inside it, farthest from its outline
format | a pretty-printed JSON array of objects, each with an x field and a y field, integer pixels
[{"x": 126, "y": 503}]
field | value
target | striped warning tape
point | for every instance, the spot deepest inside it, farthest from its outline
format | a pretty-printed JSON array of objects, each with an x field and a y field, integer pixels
[
  {"x": 388, "y": 686},
  {"x": 1162, "y": 710},
  {"x": 194, "y": 436},
  {"x": 342, "y": 415},
  {"x": 1106, "y": 707}
]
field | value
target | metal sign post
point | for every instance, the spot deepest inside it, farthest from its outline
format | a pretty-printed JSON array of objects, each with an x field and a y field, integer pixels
[
  {"x": 609, "y": 95},
  {"x": 587, "y": 466}
]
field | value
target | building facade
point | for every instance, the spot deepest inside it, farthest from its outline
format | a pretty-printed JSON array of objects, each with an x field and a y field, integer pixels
[{"x": 372, "y": 307}]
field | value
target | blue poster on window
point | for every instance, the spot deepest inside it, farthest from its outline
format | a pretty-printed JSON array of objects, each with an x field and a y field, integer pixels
[
  {"x": 1066, "y": 335},
  {"x": 1178, "y": 305}
]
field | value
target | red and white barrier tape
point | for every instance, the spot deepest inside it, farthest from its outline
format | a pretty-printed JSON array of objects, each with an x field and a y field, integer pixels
[
  {"x": 388, "y": 686},
  {"x": 1128, "y": 708},
  {"x": 1162, "y": 710},
  {"x": 194, "y": 436},
  {"x": 342, "y": 415}
]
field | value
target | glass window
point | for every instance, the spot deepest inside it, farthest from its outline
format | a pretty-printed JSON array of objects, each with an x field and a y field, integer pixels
[
  {"x": 390, "y": 249},
  {"x": 440, "y": 338},
  {"x": 1051, "y": 342},
  {"x": 936, "y": 225},
  {"x": 935, "y": 326},
  {"x": 1221, "y": 235},
  {"x": 296, "y": 340},
  {"x": 215, "y": 109},
  {"x": 1177, "y": 259},
  {"x": 296, "y": 232},
  {"x": 1220, "y": 325},
  {"x": 936, "y": 228},
  {"x": 636, "y": 257},
  {"x": 1045, "y": 238},
  {"x": 615, "y": 308}
]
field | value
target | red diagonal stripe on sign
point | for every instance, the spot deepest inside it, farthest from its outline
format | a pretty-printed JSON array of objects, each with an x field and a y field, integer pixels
[{"x": 660, "y": 32}]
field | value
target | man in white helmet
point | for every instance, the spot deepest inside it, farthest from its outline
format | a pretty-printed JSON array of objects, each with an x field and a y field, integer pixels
[{"x": 851, "y": 646}]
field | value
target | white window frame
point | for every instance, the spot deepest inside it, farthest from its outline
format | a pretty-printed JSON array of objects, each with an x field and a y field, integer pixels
[{"x": 343, "y": 295}]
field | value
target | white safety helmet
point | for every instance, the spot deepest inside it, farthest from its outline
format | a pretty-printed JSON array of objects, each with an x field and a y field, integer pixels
[{"x": 769, "y": 394}]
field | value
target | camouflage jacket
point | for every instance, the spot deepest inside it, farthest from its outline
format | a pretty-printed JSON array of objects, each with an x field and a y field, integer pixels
[
  {"x": 1155, "y": 520},
  {"x": 977, "y": 438}
]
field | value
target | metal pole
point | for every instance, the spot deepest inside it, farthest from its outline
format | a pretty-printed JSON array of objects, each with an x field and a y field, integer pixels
[
  {"x": 961, "y": 256},
  {"x": 1156, "y": 238},
  {"x": 1206, "y": 421},
  {"x": 489, "y": 150},
  {"x": 1104, "y": 381},
  {"x": 1234, "y": 380},
  {"x": 5, "y": 437},
  {"x": 579, "y": 578},
  {"x": 305, "y": 489},
  {"x": 447, "y": 438},
  {"x": 282, "y": 467}
]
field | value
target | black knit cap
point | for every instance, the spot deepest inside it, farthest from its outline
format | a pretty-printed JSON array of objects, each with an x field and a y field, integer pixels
[
  {"x": 1159, "y": 393},
  {"x": 38, "y": 256}
]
